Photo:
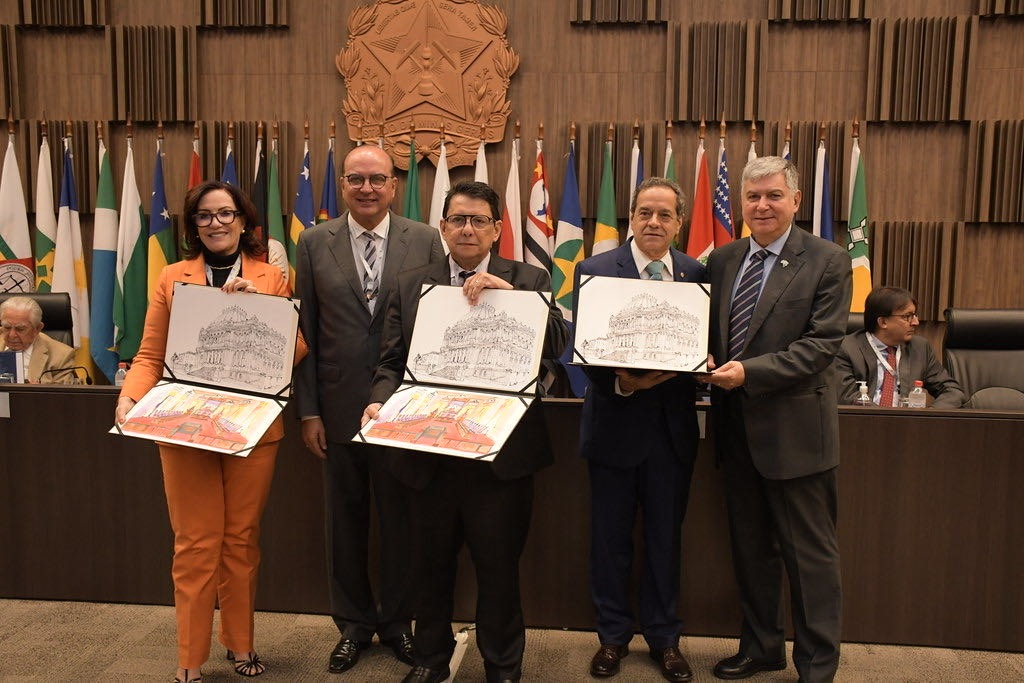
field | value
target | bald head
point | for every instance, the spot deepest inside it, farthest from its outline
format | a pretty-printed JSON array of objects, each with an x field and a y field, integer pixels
[{"x": 364, "y": 168}]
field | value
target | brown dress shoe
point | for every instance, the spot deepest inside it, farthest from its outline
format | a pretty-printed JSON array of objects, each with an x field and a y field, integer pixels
[
  {"x": 606, "y": 662},
  {"x": 673, "y": 664}
]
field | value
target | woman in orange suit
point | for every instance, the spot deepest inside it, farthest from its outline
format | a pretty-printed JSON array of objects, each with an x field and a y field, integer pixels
[{"x": 215, "y": 501}]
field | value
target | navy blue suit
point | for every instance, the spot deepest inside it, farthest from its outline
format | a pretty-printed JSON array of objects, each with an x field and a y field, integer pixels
[{"x": 640, "y": 451}]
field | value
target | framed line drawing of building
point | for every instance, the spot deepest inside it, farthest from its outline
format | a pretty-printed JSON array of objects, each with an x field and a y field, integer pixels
[
  {"x": 470, "y": 374},
  {"x": 227, "y": 371},
  {"x": 642, "y": 324}
]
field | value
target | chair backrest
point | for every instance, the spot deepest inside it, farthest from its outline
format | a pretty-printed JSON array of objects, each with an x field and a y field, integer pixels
[
  {"x": 855, "y": 323},
  {"x": 984, "y": 351},
  {"x": 56, "y": 313}
]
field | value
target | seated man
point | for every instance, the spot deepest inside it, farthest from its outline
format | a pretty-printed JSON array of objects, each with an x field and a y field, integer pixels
[
  {"x": 888, "y": 356},
  {"x": 47, "y": 361},
  {"x": 456, "y": 501}
]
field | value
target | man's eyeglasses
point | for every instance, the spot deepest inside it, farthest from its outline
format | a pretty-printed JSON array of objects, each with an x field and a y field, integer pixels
[
  {"x": 20, "y": 329},
  {"x": 458, "y": 221},
  {"x": 377, "y": 180},
  {"x": 906, "y": 316},
  {"x": 224, "y": 217}
]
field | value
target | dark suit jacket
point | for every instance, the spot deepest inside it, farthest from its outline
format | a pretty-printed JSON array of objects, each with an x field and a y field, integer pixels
[
  {"x": 527, "y": 449},
  {"x": 789, "y": 396},
  {"x": 856, "y": 360},
  {"x": 613, "y": 428},
  {"x": 344, "y": 339}
]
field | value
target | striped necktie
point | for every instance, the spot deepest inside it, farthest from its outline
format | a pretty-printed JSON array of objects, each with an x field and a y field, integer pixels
[
  {"x": 370, "y": 283},
  {"x": 888, "y": 379},
  {"x": 743, "y": 303}
]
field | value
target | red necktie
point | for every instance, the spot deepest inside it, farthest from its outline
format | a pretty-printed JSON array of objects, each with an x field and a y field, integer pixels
[{"x": 889, "y": 380}]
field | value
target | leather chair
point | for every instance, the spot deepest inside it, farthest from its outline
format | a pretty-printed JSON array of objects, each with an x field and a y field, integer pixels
[
  {"x": 855, "y": 323},
  {"x": 56, "y": 313},
  {"x": 984, "y": 351}
]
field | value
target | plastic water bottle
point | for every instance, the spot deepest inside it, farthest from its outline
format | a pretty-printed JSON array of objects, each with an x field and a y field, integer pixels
[
  {"x": 122, "y": 372},
  {"x": 916, "y": 399},
  {"x": 863, "y": 399}
]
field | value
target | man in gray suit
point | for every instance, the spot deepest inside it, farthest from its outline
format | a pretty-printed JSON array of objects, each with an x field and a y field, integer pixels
[
  {"x": 345, "y": 270},
  {"x": 889, "y": 358},
  {"x": 779, "y": 305}
]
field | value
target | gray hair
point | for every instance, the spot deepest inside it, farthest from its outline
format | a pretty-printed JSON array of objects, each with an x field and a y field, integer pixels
[
  {"x": 763, "y": 167},
  {"x": 23, "y": 303},
  {"x": 659, "y": 182}
]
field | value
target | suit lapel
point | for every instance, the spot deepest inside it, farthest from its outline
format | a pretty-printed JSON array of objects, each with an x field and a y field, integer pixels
[
  {"x": 340, "y": 247},
  {"x": 394, "y": 257},
  {"x": 786, "y": 267},
  {"x": 869, "y": 361},
  {"x": 626, "y": 263},
  {"x": 40, "y": 357},
  {"x": 500, "y": 267}
]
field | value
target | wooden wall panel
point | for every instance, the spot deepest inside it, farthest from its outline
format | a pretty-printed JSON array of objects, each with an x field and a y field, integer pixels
[
  {"x": 712, "y": 70},
  {"x": 244, "y": 13},
  {"x": 616, "y": 11},
  {"x": 153, "y": 69},
  {"x": 916, "y": 255},
  {"x": 995, "y": 172},
  {"x": 996, "y": 90},
  {"x": 9, "y": 86},
  {"x": 988, "y": 265},
  {"x": 815, "y": 10},
  {"x": 63, "y": 13},
  {"x": 919, "y": 68},
  {"x": 1000, "y": 7}
]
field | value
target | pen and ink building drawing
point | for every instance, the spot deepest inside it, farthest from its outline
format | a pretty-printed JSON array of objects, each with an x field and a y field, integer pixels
[
  {"x": 485, "y": 345},
  {"x": 237, "y": 347},
  {"x": 648, "y": 329}
]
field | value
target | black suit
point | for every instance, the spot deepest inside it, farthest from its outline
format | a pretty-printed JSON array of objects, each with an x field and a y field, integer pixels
[
  {"x": 640, "y": 451},
  {"x": 777, "y": 439},
  {"x": 333, "y": 382},
  {"x": 455, "y": 500}
]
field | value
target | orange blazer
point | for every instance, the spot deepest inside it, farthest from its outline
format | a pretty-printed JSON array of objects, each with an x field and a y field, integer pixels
[{"x": 148, "y": 365}]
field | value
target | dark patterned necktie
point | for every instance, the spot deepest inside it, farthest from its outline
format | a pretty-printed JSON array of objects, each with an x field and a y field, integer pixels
[
  {"x": 888, "y": 379},
  {"x": 744, "y": 301},
  {"x": 465, "y": 275}
]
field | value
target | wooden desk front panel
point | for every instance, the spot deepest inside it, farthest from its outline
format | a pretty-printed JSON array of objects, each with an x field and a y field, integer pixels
[{"x": 930, "y": 524}]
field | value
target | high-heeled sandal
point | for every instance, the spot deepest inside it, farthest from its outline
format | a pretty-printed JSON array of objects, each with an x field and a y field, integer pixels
[
  {"x": 249, "y": 668},
  {"x": 197, "y": 679}
]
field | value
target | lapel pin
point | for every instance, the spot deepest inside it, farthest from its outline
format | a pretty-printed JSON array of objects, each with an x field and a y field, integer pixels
[{"x": 785, "y": 263}]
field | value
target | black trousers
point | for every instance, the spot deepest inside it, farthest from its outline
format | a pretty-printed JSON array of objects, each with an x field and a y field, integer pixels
[
  {"x": 466, "y": 503},
  {"x": 787, "y": 523},
  {"x": 351, "y": 471}
]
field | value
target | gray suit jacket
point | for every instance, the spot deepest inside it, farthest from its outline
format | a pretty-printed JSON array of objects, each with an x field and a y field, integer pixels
[
  {"x": 333, "y": 381},
  {"x": 789, "y": 396},
  {"x": 857, "y": 361}
]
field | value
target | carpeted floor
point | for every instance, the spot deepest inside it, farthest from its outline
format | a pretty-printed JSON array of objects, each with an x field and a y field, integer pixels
[{"x": 71, "y": 641}]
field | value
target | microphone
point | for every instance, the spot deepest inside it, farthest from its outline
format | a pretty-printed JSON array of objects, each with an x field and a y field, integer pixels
[{"x": 71, "y": 369}]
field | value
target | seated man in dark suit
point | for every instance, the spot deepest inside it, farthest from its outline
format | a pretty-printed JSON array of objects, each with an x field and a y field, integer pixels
[
  {"x": 888, "y": 356},
  {"x": 47, "y": 361},
  {"x": 485, "y": 504}
]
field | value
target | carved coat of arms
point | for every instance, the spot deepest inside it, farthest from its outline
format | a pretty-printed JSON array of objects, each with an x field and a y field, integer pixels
[{"x": 415, "y": 67}]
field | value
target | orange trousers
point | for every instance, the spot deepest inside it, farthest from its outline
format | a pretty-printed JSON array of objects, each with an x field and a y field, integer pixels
[{"x": 215, "y": 503}]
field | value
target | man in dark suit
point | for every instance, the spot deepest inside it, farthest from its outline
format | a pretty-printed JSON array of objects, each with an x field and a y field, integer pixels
[
  {"x": 639, "y": 436},
  {"x": 485, "y": 504},
  {"x": 779, "y": 305},
  {"x": 345, "y": 268},
  {"x": 889, "y": 358}
]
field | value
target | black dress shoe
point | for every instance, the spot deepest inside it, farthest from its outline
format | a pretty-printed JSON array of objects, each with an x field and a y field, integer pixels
[
  {"x": 606, "y": 662},
  {"x": 673, "y": 664},
  {"x": 741, "y": 666},
  {"x": 345, "y": 655},
  {"x": 403, "y": 648},
  {"x": 422, "y": 674}
]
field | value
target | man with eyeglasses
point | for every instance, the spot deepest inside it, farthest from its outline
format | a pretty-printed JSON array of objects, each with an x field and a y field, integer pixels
[
  {"x": 346, "y": 269},
  {"x": 889, "y": 357},
  {"x": 21, "y": 320},
  {"x": 484, "y": 504}
]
